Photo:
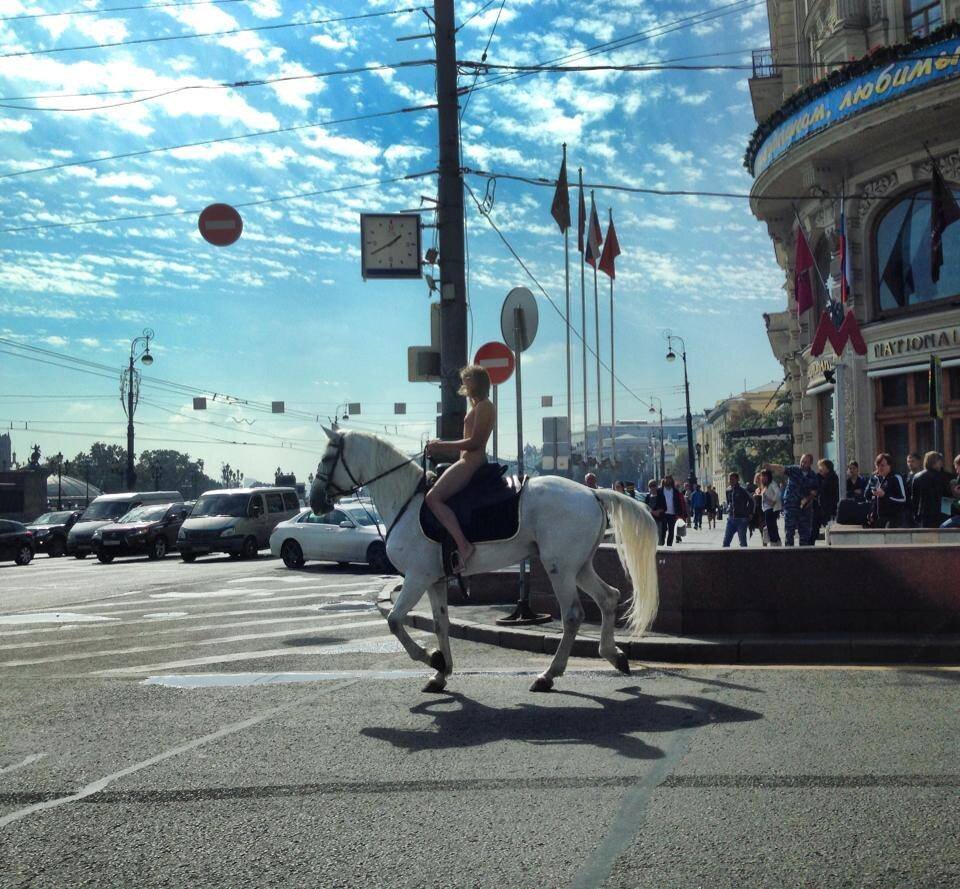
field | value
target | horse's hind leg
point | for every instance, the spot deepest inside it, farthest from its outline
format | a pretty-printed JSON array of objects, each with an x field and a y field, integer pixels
[
  {"x": 571, "y": 612},
  {"x": 410, "y": 593},
  {"x": 606, "y": 598},
  {"x": 440, "y": 659}
]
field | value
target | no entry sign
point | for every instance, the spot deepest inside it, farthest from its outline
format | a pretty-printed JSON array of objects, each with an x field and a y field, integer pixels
[
  {"x": 497, "y": 359},
  {"x": 220, "y": 224}
]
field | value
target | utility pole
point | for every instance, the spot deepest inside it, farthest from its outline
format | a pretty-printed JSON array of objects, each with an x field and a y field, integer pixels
[
  {"x": 450, "y": 219},
  {"x": 132, "y": 382}
]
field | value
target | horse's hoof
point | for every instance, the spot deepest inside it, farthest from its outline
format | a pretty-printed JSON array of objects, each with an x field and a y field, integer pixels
[
  {"x": 436, "y": 660},
  {"x": 435, "y": 686},
  {"x": 542, "y": 683},
  {"x": 622, "y": 664}
]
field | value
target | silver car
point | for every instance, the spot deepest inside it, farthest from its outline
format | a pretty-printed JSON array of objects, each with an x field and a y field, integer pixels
[{"x": 353, "y": 532}]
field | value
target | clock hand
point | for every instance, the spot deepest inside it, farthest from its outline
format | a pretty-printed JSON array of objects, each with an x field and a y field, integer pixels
[{"x": 388, "y": 244}]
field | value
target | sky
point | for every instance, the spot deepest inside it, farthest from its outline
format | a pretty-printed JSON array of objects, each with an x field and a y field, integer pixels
[{"x": 283, "y": 314}]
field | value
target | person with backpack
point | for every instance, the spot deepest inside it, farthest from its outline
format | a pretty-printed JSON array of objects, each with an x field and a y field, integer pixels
[{"x": 740, "y": 508}]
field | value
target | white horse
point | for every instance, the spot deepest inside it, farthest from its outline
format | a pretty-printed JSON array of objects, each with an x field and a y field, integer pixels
[{"x": 560, "y": 521}]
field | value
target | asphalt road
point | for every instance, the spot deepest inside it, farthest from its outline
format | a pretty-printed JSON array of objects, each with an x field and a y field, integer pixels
[{"x": 238, "y": 724}]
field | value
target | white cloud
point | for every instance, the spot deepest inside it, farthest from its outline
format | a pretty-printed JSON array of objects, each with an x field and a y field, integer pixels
[
  {"x": 126, "y": 180},
  {"x": 8, "y": 125}
]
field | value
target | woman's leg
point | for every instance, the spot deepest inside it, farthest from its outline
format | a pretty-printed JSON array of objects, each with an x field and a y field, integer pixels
[{"x": 452, "y": 481}]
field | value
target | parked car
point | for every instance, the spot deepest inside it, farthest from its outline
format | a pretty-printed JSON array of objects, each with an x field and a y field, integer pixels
[
  {"x": 237, "y": 521},
  {"x": 16, "y": 542},
  {"x": 349, "y": 533},
  {"x": 149, "y": 531},
  {"x": 106, "y": 509},
  {"x": 50, "y": 531}
]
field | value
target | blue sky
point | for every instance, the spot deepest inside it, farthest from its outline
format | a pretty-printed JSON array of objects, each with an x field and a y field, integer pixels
[{"x": 283, "y": 314}]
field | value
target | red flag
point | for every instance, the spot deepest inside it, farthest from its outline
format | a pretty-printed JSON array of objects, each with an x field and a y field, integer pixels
[
  {"x": 581, "y": 216},
  {"x": 802, "y": 263},
  {"x": 560, "y": 210},
  {"x": 943, "y": 212},
  {"x": 594, "y": 236},
  {"x": 611, "y": 250}
]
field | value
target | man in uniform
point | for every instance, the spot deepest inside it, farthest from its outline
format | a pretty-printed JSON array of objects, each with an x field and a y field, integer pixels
[{"x": 798, "y": 496}]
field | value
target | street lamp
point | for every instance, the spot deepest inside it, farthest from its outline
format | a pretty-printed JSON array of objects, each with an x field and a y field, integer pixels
[
  {"x": 60, "y": 480},
  {"x": 139, "y": 348},
  {"x": 663, "y": 458},
  {"x": 672, "y": 356}
]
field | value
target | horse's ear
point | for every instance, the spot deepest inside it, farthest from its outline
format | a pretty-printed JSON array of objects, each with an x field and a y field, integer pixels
[{"x": 331, "y": 435}]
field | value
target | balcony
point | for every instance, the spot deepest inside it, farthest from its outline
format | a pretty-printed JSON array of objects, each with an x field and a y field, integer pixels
[
  {"x": 766, "y": 85},
  {"x": 764, "y": 65}
]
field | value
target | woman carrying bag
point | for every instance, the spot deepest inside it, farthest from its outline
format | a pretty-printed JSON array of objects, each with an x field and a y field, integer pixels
[{"x": 772, "y": 502}]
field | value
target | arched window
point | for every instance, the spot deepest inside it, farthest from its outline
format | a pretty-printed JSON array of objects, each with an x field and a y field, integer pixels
[{"x": 902, "y": 255}]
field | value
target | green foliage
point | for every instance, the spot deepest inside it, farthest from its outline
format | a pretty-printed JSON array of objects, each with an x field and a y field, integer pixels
[
  {"x": 104, "y": 465},
  {"x": 170, "y": 470},
  {"x": 747, "y": 455}
]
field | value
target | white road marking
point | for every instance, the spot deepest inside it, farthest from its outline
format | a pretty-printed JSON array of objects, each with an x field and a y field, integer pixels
[
  {"x": 384, "y": 644},
  {"x": 221, "y": 640},
  {"x": 32, "y": 758},
  {"x": 51, "y": 617},
  {"x": 240, "y": 680},
  {"x": 158, "y": 615}
]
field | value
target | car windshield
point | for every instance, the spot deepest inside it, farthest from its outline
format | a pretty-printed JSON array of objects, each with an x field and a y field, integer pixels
[
  {"x": 361, "y": 518},
  {"x": 145, "y": 514},
  {"x": 105, "y": 510},
  {"x": 52, "y": 518},
  {"x": 222, "y": 504}
]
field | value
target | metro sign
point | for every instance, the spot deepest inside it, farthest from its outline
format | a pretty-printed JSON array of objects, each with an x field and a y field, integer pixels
[{"x": 849, "y": 332}]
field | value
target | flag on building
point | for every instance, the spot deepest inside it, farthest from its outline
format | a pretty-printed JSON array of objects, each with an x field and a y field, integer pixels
[
  {"x": 581, "y": 216},
  {"x": 611, "y": 250},
  {"x": 802, "y": 263},
  {"x": 560, "y": 209},
  {"x": 898, "y": 271},
  {"x": 943, "y": 212},
  {"x": 594, "y": 236},
  {"x": 846, "y": 270}
]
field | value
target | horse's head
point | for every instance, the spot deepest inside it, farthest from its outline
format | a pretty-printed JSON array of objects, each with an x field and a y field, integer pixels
[{"x": 331, "y": 480}]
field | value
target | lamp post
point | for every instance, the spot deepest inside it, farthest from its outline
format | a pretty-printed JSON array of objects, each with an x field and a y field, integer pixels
[
  {"x": 671, "y": 356},
  {"x": 60, "y": 480},
  {"x": 132, "y": 395},
  {"x": 663, "y": 459}
]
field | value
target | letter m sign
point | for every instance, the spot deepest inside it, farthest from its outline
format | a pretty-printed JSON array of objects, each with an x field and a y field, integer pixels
[{"x": 849, "y": 332}]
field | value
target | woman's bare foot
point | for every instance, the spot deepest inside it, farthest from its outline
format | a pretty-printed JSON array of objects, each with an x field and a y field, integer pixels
[{"x": 461, "y": 557}]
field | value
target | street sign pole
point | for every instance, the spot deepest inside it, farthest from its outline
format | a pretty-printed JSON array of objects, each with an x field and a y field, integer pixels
[
  {"x": 518, "y": 333},
  {"x": 839, "y": 416},
  {"x": 496, "y": 421}
]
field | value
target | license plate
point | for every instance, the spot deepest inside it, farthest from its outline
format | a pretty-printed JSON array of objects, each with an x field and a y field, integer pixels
[{"x": 110, "y": 543}]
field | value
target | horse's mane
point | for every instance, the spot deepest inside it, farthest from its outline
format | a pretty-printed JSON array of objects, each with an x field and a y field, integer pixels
[{"x": 376, "y": 455}]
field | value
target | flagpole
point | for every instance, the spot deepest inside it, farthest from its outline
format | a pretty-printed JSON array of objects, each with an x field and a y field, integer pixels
[
  {"x": 583, "y": 315},
  {"x": 566, "y": 276},
  {"x": 613, "y": 402},
  {"x": 596, "y": 323}
]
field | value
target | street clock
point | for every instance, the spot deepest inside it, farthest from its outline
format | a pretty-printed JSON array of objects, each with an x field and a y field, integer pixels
[{"x": 390, "y": 245}]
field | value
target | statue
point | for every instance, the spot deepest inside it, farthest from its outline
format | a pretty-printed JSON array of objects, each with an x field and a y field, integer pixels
[{"x": 35, "y": 457}]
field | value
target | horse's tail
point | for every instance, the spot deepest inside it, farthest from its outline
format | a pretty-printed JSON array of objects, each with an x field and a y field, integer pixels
[{"x": 635, "y": 534}]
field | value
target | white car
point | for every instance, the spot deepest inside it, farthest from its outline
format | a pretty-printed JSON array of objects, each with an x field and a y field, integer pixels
[{"x": 349, "y": 533}]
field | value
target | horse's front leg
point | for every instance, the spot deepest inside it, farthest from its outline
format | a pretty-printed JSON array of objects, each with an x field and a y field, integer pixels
[
  {"x": 440, "y": 659},
  {"x": 410, "y": 593}
]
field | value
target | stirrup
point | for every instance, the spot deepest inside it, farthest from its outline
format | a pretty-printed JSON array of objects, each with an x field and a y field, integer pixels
[{"x": 457, "y": 565}]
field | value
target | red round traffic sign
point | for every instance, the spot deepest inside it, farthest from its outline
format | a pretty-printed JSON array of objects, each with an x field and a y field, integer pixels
[
  {"x": 220, "y": 224},
  {"x": 498, "y": 361}
]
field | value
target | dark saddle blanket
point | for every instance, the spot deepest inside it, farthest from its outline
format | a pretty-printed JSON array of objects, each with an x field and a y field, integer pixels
[{"x": 488, "y": 508}]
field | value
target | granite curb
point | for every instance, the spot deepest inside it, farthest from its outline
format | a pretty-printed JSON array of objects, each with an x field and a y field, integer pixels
[{"x": 801, "y": 648}]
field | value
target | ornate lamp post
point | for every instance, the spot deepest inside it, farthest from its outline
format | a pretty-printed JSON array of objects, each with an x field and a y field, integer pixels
[
  {"x": 139, "y": 348},
  {"x": 663, "y": 459},
  {"x": 671, "y": 356},
  {"x": 60, "y": 480}
]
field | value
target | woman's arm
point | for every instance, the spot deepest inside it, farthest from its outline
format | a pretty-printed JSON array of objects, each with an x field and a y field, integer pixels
[{"x": 482, "y": 427}]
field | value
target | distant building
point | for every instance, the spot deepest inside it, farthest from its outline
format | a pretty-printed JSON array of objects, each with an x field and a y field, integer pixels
[{"x": 6, "y": 452}]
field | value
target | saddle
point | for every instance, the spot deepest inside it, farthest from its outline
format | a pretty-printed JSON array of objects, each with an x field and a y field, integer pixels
[{"x": 488, "y": 509}]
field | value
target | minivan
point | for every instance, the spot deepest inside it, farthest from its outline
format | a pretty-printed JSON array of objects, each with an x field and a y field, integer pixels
[
  {"x": 236, "y": 521},
  {"x": 106, "y": 509}
]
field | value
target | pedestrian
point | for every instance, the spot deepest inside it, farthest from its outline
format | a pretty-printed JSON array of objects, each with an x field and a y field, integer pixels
[
  {"x": 772, "y": 503},
  {"x": 698, "y": 502},
  {"x": 954, "y": 520},
  {"x": 630, "y": 489},
  {"x": 927, "y": 491},
  {"x": 887, "y": 494},
  {"x": 618, "y": 487},
  {"x": 827, "y": 500},
  {"x": 739, "y": 511},
  {"x": 652, "y": 501},
  {"x": 914, "y": 466},
  {"x": 590, "y": 480},
  {"x": 712, "y": 504},
  {"x": 670, "y": 500},
  {"x": 798, "y": 496},
  {"x": 856, "y": 483}
]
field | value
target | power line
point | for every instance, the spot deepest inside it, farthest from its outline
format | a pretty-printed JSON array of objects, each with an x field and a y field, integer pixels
[
  {"x": 142, "y": 40},
  {"x": 159, "y": 92},
  {"x": 549, "y": 298},
  {"x": 114, "y": 9},
  {"x": 170, "y": 213},
  {"x": 475, "y": 13},
  {"x": 483, "y": 58},
  {"x": 290, "y": 129}
]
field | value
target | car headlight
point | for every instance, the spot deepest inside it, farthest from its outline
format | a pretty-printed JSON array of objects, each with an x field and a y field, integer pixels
[
  {"x": 229, "y": 532},
  {"x": 181, "y": 534},
  {"x": 139, "y": 533},
  {"x": 43, "y": 532},
  {"x": 97, "y": 534}
]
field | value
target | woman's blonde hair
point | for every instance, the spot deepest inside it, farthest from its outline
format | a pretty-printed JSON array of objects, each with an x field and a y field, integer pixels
[{"x": 476, "y": 381}]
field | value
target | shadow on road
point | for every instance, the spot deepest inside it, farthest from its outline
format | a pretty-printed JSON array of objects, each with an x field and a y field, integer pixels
[{"x": 613, "y": 726}]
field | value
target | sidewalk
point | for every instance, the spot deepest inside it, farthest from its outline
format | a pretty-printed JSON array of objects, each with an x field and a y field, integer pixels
[{"x": 477, "y": 623}]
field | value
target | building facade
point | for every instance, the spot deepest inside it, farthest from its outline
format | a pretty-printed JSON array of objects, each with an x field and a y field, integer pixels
[{"x": 858, "y": 98}]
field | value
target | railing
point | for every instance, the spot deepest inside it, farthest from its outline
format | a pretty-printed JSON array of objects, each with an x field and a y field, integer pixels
[{"x": 763, "y": 64}]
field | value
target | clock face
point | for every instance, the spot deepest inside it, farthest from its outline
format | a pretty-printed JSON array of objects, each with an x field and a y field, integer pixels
[{"x": 390, "y": 245}]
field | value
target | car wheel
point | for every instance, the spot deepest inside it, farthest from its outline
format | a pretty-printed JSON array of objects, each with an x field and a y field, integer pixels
[
  {"x": 377, "y": 559},
  {"x": 106, "y": 558},
  {"x": 159, "y": 549},
  {"x": 79, "y": 555},
  {"x": 24, "y": 555},
  {"x": 292, "y": 554},
  {"x": 188, "y": 557},
  {"x": 56, "y": 548},
  {"x": 250, "y": 549}
]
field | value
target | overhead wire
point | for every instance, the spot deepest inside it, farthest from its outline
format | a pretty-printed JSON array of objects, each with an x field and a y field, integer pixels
[
  {"x": 475, "y": 13},
  {"x": 483, "y": 58},
  {"x": 227, "y": 33}
]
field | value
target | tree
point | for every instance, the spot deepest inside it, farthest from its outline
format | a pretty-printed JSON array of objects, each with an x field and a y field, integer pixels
[
  {"x": 229, "y": 477},
  {"x": 746, "y": 455},
  {"x": 172, "y": 470},
  {"x": 104, "y": 465}
]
